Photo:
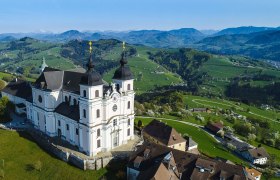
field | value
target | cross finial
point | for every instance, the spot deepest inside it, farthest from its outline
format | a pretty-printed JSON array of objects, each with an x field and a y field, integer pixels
[
  {"x": 90, "y": 46},
  {"x": 123, "y": 45}
]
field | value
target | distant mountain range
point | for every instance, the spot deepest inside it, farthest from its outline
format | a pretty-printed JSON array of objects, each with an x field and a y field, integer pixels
[{"x": 255, "y": 42}]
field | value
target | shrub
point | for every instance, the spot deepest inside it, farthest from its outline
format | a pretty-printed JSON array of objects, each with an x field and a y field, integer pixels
[
  {"x": 139, "y": 123},
  {"x": 38, "y": 165}
]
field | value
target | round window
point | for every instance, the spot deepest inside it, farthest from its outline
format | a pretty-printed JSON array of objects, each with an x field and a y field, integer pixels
[
  {"x": 40, "y": 98},
  {"x": 115, "y": 107}
]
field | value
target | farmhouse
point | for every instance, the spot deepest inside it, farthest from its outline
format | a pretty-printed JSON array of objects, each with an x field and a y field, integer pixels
[
  {"x": 153, "y": 161},
  {"x": 253, "y": 174},
  {"x": 160, "y": 133},
  {"x": 79, "y": 108},
  {"x": 256, "y": 156},
  {"x": 214, "y": 127},
  {"x": 201, "y": 110}
]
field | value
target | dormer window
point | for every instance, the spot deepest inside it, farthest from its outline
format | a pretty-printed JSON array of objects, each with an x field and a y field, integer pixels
[{"x": 128, "y": 87}]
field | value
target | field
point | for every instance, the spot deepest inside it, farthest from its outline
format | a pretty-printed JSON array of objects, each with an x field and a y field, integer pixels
[
  {"x": 20, "y": 153},
  {"x": 147, "y": 73},
  {"x": 221, "y": 70}
]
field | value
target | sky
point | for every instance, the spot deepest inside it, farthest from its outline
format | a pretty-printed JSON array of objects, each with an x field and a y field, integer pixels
[{"x": 121, "y": 15}]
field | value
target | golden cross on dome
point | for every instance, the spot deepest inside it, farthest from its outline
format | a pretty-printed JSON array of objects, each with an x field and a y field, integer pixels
[
  {"x": 90, "y": 47},
  {"x": 123, "y": 45}
]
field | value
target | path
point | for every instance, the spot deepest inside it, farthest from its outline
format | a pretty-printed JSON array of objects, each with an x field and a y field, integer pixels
[
  {"x": 230, "y": 105},
  {"x": 223, "y": 104}
]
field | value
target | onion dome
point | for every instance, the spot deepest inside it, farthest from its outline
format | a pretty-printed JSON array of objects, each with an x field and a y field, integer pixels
[
  {"x": 91, "y": 77},
  {"x": 123, "y": 72}
]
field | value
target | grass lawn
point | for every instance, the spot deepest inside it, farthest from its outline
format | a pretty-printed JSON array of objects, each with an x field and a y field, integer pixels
[
  {"x": 20, "y": 153},
  {"x": 206, "y": 144}
]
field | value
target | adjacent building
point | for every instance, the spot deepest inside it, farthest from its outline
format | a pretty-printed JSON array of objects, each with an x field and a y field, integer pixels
[
  {"x": 80, "y": 108},
  {"x": 160, "y": 133},
  {"x": 253, "y": 174},
  {"x": 154, "y": 161},
  {"x": 214, "y": 127},
  {"x": 256, "y": 156}
]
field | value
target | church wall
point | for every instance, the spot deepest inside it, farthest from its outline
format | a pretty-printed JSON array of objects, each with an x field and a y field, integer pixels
[
  {"x": 36, "y": 93},
  {"x": 50, "y": 124},
  {"x": 70, "y": 96},
  {"x": 124, "y": 84},
  {"x": 70, "y": 134},
  {"x": 50, "y": 100},
  {"x": 90, "y": 91}
]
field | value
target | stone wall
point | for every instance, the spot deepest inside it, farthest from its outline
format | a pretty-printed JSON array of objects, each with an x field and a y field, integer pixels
[{"x": 73, "y": 159}]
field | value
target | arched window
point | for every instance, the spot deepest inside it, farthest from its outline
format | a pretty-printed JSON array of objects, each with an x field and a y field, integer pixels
[
  {"x": 84, "y": 113},
  {"x": 75, "y": 102},
  {"x": 128, "y": 87},
  {"x": 97, "y": 113},
  {"x": 85, "y": 93},
  {"x": 98, "y": 132},
  {"x": 66, "y": 99},
  {"x": 128, "y": 122},
  {"x": 128, "y": 105},
  {"x": 96, "y": 93}
]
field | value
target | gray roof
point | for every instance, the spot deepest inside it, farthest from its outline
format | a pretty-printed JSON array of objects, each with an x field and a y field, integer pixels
[
  {"x": 123, "y": 72},
  {"x": 53, "y": 79},
  {"x": 20, "y": 89},
  {"x": 70, "y": 111},
  {"x": 191, "y": 142}
]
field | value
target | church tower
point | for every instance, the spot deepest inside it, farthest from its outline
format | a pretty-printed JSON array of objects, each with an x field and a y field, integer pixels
[
  {"x": 123, "y": 77},
  {"x": 44, "y": 65},
  {"x": 90, "y": 104}
]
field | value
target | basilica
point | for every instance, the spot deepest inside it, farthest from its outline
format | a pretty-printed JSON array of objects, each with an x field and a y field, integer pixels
[{"x": 80, "y": 108}]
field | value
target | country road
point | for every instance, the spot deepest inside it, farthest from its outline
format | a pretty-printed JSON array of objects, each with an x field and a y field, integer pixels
[{"x": 229, "y": 105}]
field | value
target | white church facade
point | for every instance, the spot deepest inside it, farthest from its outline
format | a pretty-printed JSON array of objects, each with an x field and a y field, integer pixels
[{"x": 80, "y": 108}]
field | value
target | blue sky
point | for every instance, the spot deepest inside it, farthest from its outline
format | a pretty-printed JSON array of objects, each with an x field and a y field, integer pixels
[{"x": 62, "y": 15}]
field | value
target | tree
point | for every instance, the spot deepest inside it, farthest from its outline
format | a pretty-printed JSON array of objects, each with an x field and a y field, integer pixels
[
  {"x": 2, "y": 84},
  {"x": 6, "y": 107},
  {"x": 221, "y": 134},
  {"x": 251, "y": 137},
  {"x": 139, "y": 124}
]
